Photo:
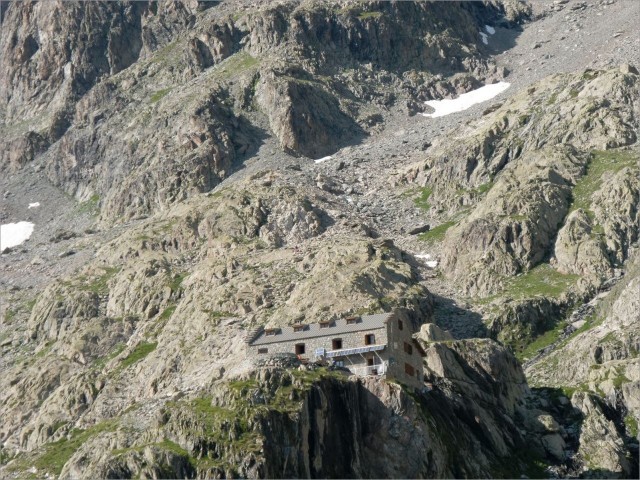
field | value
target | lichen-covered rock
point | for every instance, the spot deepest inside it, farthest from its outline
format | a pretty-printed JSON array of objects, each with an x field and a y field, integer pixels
[
  {"x": 592, "y": 356},
  {"x": 601, "y": 446},
  {"x": 511, "y": 230},
  {"x": 578, "y": 250},
  {"x": 480, "y": 369},
  {"x": 512, "y": 178},
  {"x": 304, "y": 117},
  {"x": 430, "y": 332}
]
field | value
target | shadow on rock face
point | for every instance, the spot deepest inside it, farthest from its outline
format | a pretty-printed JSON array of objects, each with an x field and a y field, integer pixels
[
  {"x": 459, "y": 321},
  {"x": 305, "y": 117}
]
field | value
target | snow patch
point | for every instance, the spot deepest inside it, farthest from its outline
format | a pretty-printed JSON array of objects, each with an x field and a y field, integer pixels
[
  {"x": 323, "y": 159},
  {"x": 466, "y": 100},
  {"x": 428, "y": 262},
  {"x": 490, "y": 30},
  {"x": 33, "y": 205},
  {"x": 13, "y": 234},
  {"x": 485, "y": 38}
]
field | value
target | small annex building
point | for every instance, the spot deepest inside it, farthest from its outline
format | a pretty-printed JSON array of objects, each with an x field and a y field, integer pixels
[{"x": 380, "y": 345}]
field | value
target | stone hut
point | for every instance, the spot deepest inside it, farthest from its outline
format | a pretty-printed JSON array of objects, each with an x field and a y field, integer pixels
[{"x": 380, "y": 344}]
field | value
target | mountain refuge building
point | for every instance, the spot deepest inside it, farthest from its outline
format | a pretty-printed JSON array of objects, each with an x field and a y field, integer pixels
[{"x": 379, "y": 345}]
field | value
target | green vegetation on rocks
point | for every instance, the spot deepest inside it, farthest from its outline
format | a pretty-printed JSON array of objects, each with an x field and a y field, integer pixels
[
  {"x": 619, "y": 380},
  {"x": 236, "y": 64},
  {"x": 51, "y": 457},
  {"x": 217, "y": 314},
  {"x": 167, "y": 312},
  {"x": 544, "y": 340},
  {"x": 167, "y": 53},
  {"x": 541, "y": 280},
  {"x": 484, "y": 188},
  {"x": 102, "y": 361},
  {"x": 167, "y": 445},
  {"x": 632, "y": 425},
  {"x": 139, "y": 352},
  {"x": 436, "y": 234},
  {"x": 422, "y": 201},
  {"x": 366, "y": 15},
  {"x": 99, "y": 284},
  {"x": 91, "y": 206},
  {"x": 224, "y": 426},
  {"x": 159, "y": 95},
  {"x": 176, "y": 281},
  {"x": 601, "y": 162}
]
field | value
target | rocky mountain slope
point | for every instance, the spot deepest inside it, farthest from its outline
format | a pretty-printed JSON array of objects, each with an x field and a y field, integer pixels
[{"x": 171, "y": 146}]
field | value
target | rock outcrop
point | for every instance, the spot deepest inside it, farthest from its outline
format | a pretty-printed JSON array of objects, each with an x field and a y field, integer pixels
[
  {"x": 540, "y": 156},
  {"x": 601, "y": 446},
  {"x": 531, "y": 184}
]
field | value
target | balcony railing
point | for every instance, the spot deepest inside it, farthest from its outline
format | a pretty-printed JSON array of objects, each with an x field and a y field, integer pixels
[
  {"x": 367, "y": 370},
  {"x": 343, "y": 352}
]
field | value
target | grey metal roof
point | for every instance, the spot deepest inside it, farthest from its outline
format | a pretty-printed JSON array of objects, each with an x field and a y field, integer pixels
[{"x": 313, "y": 330}]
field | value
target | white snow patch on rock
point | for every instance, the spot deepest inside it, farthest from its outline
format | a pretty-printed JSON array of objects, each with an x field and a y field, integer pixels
[
  {"x": 485, "y": 38},
  {"x": 428, "y": 262},
  {"x": 323, "y": 159},
  {"x": 466, "y": 100},
  {"x": 490, "y": 30},
  {"x": 13, "y": 234},
  {"x": 34, "y": 205}
]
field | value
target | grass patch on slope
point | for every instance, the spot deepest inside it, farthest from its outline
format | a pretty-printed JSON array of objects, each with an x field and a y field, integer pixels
[
  {"x": 100, "y": 284},
  {"x": 228, "y": 429},
  {"x": 422, "y": 201},
  {"x": 436, "y": 234},
  {"x": 141, "y": 351},
  {"x": 167, "y": 54},
  {"x": 235, "y": 64},
  {"x": 91, "y": 206},
  {"x": 223, "y": 425},
  {"x": 631, "y": 424},
  {"x": 176, "y": 282},
  {"x": 598, "y": 316},
  {"x": 540, "y": 342},
  {"x": 366, "y": 15},
  {"x": 484, "y": 188},
  {"x": 100, "y": 363},
  {"x": 235, "y": 427},
  {"x": 165, "y": 444},
  {"x": 52, "y": 457},
  {"x": 542, "y": 280},
  {"x": 599, "y": 163},
  {"x": 159, "y": 95},
  {"x": 167, "y": 312}
]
